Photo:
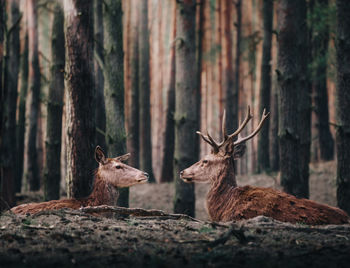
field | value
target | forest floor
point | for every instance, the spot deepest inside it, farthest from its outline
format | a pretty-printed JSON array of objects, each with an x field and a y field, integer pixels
[{"x": 75, "y": 239}]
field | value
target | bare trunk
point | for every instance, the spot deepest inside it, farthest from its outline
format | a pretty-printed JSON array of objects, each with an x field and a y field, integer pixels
[
  {"x": 185, "y": 104},
  {"x": 265, "y": 90},
  {"x": 52, "y": 173},
  {"x": 288, "y": 74},
  {"x": 320, "y": 56},
  {"x": 31, "y": 167},
  {"x": 144, "y": 93},
  {"x": 81, "y": 93},
  {"x": 21, "y": 113},
  {"x": 11, "y": 69},
  {"x": 343, "y": 100},
  {"x": 99, "y": 79},
  {"x": 3, "y": 205},
  {"x": 114, "y": 84}
]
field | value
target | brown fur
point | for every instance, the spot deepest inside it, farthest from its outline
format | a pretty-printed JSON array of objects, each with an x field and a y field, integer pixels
[{"x": 105, "y": 191}]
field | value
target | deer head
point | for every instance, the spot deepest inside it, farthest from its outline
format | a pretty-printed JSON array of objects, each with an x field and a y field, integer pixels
[
  {"x": 222, "y": 154},
  {"x": 115, "y": 172}
]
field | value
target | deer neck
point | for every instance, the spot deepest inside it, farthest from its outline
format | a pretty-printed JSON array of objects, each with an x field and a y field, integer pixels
[
  {"x": 103, "y": 193},
  {"x": 221, "y": 189}
]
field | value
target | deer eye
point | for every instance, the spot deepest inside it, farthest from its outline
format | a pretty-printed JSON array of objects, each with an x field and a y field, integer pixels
[
  {"x": 205, "y": 161},
  {"x": 118, "y": 167}
]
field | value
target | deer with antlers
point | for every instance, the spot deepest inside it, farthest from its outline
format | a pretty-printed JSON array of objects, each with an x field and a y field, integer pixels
[
  {"x": 111, "y": 174},
  {"x": 228, "y": 202}
]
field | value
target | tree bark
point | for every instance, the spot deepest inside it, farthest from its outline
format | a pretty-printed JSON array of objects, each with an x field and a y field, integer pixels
[
  {"x": 288, "y": 79},
  {"x": 343, "y": 100},
  {"x": 185, "y": 104},
  {"x": 31, "y": 167},
  {"x": 265, "y": 90},
  {"x": 81, "y": 93},
  {"x": 52, "y": 173},
  {"x": 320, "y": 40},
  {"x": 3, "y": 205},
  {"x": 144, "y": 93},
  {"x": 99, "y": 79},
  {"x": 304, "y": 98},
  {"x": 21, "y": 113},
  {"x": 11, "y": 63},
  {"x": 114, "y": 84}
]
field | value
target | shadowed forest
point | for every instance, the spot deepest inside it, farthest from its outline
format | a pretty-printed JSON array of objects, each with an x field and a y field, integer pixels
[{"x": 98, "y": 96}]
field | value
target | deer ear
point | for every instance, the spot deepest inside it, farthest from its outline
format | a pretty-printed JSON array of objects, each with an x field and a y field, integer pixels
[
  {"x": 123, "y": 157},
  {"x": 99, "y": 155},
  {"x": 239, "y": 151}
]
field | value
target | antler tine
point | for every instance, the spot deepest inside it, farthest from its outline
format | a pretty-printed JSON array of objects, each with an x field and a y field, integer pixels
[
  {"x": 203, "y": 137},
  {"x": 263, "y": 118},
  {"x": 224, "y": 133},
  {"x": 241, "y": 127},
  {"x": 208, "y": 139}
]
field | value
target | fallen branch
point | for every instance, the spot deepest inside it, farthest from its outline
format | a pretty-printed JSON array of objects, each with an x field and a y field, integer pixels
[
  {"x": 136, "y": 212},
  {"x": 232, "y": 231}
]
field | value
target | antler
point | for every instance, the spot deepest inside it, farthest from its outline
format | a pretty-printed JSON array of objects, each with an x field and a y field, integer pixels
[{"x": 230, "y": 138}]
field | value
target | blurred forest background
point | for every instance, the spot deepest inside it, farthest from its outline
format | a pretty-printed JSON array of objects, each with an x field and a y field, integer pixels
[{"x": 141, "y": 76}]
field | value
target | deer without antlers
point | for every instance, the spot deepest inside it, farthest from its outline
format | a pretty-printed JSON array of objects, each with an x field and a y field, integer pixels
[
  {"x": 111, "y": 174},
  {"x": 228, "y": 202}
]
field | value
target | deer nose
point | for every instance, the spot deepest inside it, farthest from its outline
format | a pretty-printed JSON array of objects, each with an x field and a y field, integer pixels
[{"x": 146, "y": 174}]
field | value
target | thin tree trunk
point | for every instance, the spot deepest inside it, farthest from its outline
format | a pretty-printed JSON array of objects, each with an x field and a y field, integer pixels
[
  {"x": 288, "y": 73},
  {"x": 133, "y": 120},
  {"x": 274, "y": 146},
  {"x": 320, "y": 48},
  {"x": 343, "y": 100},
  {"x": 11, "y": 69},
  {"x": 99, "y": 79},
  {"x": 304, "y": 98},
  {"x": 185, "y": 104},
  {"x": 3, "y": 205},
  {"x": 52, "y": 173},
  {"x": 31, "y": 167},
  {"x": 265, "y": 90},
  {"x": 169, "y": 140},
  {"x": 144, "y": 93},
  {"x": 114, "y": 84},
  {"x": 81, "y": 93},
  {"x": 232, "y": 103},
  {"x": 21, "y": 113}
]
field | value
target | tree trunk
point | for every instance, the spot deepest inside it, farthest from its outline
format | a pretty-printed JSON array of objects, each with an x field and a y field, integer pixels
[
  {"x": 320, "y": 50},
  {"x": 232, "y": 95},
  {"x": 185, "y": 104},
  {"x": 3, "y": 205},
  {"x": 133, "y": 120},
  {"x": 144, "y": 93},
  {"x": 114, "y": 84},
  {"x": 21, "y": 113},
  {"x": 52, "y": 173},
  {"x": 343, "y": 100},
  {"x": 265, "y": 90},
  {"x": 288, "y": 79},
  {"x": 80, "y": 106},
  {"x": 99, "y": 79},
  {"x": 31, "y": 167},
  {"x": 169, "y": 140},
  {"x": 304, "y": 98},
  {"x": 274, "y": 146},
  {"x": 11, "y": 63}
]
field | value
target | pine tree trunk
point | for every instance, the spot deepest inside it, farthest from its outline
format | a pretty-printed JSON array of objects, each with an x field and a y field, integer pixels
[
  {"x": 320, "y": 48},
  {"x": 31, "y": 167},
  {"x": 304, "y": 98},
  {"x": 21, "y": 113},
  {"x": 343, "y": 100},
  {"x": 11, "y": 69},
  {"x": 265, "y": 90},
  {"x": 114, "y": 84},
  {"x": 99, "y": 79},
  {"x": 288, "y": 79},
  {"x": 3, "y": 205},
  {"x": 185, "y": 104},
  {"x": 274, "y": 145},
  {"x": 52, "y": 173},
  {"x": 81, "y": 93},
  {"x": 144, "y": 93}
]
